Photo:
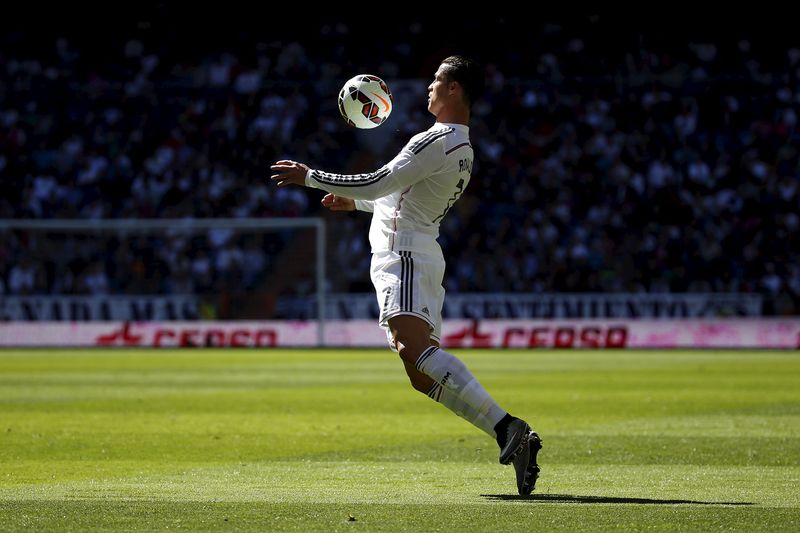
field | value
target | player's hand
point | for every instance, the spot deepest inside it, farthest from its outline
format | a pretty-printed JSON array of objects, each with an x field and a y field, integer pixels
[
  {"x": 338, "y": 203},
  {"x": 289, "y": 173}
]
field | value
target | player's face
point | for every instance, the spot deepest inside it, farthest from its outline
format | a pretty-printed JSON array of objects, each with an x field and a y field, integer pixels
[{"x": 438, "y": 92}]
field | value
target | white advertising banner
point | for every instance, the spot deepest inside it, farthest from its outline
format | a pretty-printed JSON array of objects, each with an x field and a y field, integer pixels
[{"x": 592, "y": 334}]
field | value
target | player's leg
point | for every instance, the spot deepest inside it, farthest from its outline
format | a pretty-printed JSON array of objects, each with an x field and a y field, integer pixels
[
  {"x": 410, "y": 296},
  {"x": 419, "y": 381},
  {"x": 446, "y": 397},
  {"x": 412, "y": 338},
  {"x": 518, "y": 443},
  {"x": 414, "y": 347}
]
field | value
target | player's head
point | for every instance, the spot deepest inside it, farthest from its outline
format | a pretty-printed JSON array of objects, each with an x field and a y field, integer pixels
[
  {"x": 458, "y": 82},
  {"x": 466, "y": 73}
]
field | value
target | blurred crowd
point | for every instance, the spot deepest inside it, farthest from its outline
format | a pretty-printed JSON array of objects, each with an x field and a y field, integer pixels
[{"x": 604, "y": 163}]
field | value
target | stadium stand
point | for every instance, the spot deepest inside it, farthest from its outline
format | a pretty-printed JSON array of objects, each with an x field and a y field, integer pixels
[{"x": 609, "y": 158}]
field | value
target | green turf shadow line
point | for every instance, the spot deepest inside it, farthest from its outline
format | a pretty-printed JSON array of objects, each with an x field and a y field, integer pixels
[{"x": 569, "y": 498}]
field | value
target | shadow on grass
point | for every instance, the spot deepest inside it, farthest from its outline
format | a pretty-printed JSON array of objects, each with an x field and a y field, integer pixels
[{"x": 570, "y": 498}]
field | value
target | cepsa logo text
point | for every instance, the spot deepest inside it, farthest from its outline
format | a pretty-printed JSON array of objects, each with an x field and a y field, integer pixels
[
  {"x": 566, "y": 337},
  {"x": 489, "y": 334},
  {"x": 187, "y": 336}
]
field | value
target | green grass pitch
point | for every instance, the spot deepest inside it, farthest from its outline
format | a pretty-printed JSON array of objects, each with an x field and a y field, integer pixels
[{"x": 271, "y": 440}]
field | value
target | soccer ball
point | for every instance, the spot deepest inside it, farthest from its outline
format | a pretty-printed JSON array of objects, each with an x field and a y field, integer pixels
[{"x": 365, "y": 101}]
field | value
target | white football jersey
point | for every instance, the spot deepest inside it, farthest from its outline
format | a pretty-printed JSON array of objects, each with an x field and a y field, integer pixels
[{"x": 410, "y": 195}]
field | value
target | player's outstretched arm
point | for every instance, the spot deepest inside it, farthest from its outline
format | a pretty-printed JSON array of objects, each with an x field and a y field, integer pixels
[
  {"x": 289, "y": 173},
  {"x": 338, "y": 203}
]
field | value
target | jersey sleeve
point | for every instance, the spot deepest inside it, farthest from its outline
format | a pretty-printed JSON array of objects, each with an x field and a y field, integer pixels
[
  {"x": 406, "y": 169},
  {"x": 365, "y": 205}
]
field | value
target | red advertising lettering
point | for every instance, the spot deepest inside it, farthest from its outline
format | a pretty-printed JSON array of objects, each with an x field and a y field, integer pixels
[
  {"x": 215, "y": 337},
  {"x": 189, "y": 338},
  {"x": 469, "y": 337},
  {"x": 509, "y": 334},
  {"x": 161, "y": 335},
  {"x": 591, "y": 338},
  {"x": 538, "y": 338},
  {"x": 564, "y": 338},
  {"x": 240, "y": 337},
  {"x": 123, "y": 336},
  {"x": 617, "y": 337}
]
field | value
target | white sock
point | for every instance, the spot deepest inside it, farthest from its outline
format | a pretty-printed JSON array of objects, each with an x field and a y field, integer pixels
[
  {"x": 451, "y": 373},
  {"x": 450, "y": 400}
]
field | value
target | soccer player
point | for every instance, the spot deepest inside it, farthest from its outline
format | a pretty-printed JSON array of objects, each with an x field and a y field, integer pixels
[{"x": 409, "y": 197}]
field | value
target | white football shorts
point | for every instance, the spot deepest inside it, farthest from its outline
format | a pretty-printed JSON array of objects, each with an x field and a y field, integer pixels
[{"x": 409, "y": 283}]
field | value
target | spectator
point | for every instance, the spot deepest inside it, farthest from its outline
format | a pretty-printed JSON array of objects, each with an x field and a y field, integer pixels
[{"x": 601, "y": 166}]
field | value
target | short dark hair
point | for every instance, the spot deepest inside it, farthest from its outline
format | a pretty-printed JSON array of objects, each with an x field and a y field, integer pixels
[{"x": 468, "y": 73}]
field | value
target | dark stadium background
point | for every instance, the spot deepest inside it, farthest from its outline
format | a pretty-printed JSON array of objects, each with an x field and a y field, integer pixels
[{"x": 700, "y": 194}]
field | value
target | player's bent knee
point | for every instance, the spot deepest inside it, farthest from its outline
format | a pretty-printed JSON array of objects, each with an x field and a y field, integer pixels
[
  {"x": 411, "y": 335},
  {"x": 418, "y": 380},
  {"x": 409, "y": 354}
]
